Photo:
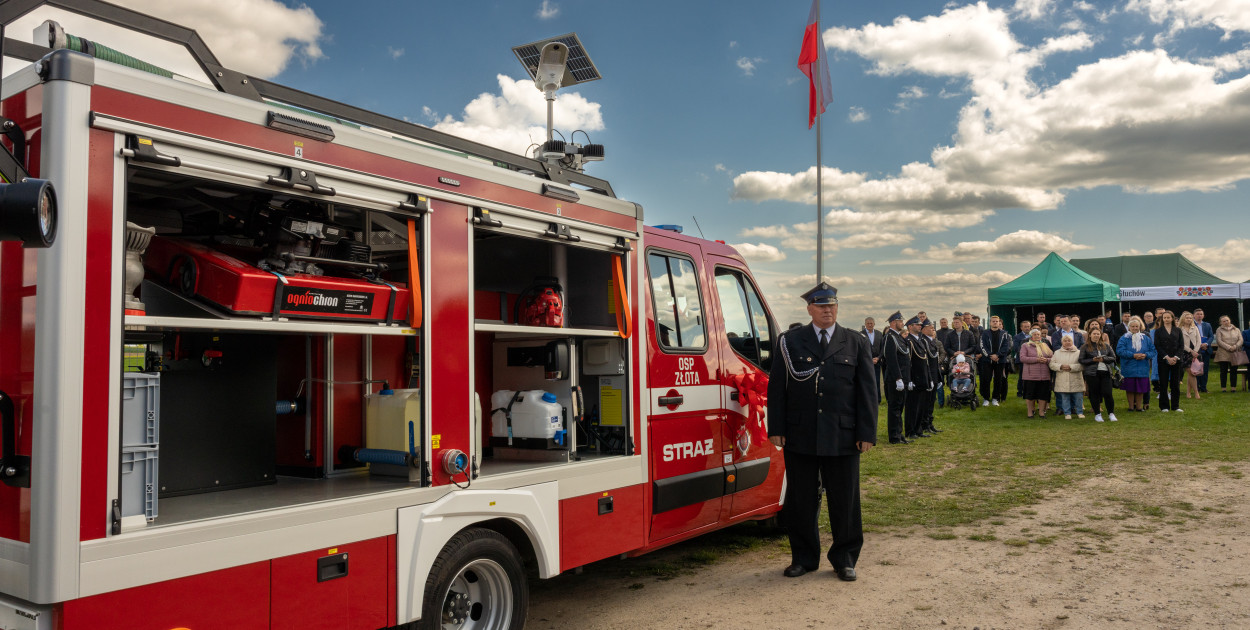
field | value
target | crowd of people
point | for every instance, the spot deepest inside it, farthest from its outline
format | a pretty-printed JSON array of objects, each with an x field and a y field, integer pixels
[{"x": 1058, "y": 360}]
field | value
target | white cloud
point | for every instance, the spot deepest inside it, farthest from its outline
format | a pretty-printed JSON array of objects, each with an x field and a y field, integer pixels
[
  {"x": 857, "y": 114},
  {"x": 808, "y": 280},
  {"x": 257, "y": 37},
  {"x": 395, "y": 53},
  {"x": 1032, "y": 9},
  {"x": 918, "y": 187},
  {"x": 747, "y": 65},
  {"x": 950, "y": 279},
  {"x": 807, "y": 242},
  {"x": 721, "y": 168},
  {"x": 733, "y": 44},
  {"x": 1229, "y": 261},
  {"x": 1017, "y": 245},
  {"x": 516, "y": 117},
  {"x": 548, "y": 10},
  {"x": 1230, "y": 16},
  {"x": 770, "y": 231},
  {"x": 761, "y": 252}
]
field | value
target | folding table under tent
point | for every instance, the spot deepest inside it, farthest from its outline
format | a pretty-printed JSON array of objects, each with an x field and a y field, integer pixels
[{"x": 1053, "y": 286}]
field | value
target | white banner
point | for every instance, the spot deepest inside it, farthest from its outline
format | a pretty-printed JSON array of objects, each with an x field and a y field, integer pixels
[{"x": 1174, "y": 292}]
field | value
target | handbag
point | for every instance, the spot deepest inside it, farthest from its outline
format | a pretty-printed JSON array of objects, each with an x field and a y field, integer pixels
[
  {"x": 1239, "y": 357},
  {"x": 1195, "y": 368},
  {"x": 1117, "y": 378}
]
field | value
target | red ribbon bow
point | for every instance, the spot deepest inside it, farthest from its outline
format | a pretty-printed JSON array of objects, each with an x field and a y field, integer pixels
[{"x": 753, "y": 394}]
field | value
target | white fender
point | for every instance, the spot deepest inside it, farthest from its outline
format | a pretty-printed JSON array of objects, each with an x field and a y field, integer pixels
[{"x": 425, "y": 529}]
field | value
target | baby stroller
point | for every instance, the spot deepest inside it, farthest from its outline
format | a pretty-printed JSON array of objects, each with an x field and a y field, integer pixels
[{"x": 965, "y": 395}]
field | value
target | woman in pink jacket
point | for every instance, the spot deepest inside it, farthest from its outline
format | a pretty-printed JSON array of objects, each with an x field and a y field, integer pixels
[{"x": 1035, "y": 372}]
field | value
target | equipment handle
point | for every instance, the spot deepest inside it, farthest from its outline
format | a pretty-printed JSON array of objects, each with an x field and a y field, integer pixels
[
  {"x": 671, "y": 401},
  {"x": 414, "y": 275},
  {"x": 624, "y": 316}
]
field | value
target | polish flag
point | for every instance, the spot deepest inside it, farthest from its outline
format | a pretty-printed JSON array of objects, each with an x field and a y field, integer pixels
[{"x": 813, "y": 64}]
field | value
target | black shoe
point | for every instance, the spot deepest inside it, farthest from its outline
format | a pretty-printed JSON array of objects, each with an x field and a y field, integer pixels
[
  {"x": 795, "y": 570},
  {"x": 846, "y": 574},
  {"x": 900, "y": 441},
  {"x": 933, "y": 429},
  {"x": 919, "y": 435}
]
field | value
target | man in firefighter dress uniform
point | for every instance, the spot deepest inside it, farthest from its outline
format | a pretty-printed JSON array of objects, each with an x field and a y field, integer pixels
[
  {"x": 919, "y": 387},
  {"x": 896, "y": 357},
  {"x": 822, "y": 410}
]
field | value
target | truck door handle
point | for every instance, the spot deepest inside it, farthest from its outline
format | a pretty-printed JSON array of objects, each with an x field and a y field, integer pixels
[{"x": 671, "y": 401}]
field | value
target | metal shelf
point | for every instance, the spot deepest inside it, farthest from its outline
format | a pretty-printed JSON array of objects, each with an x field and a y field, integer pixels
[
  {"x": 514, "y": 330},
  {"x": 263, "y": 325}
]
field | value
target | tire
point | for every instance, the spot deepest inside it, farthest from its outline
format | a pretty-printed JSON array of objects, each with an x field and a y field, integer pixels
[{"x": 476, "y": 583}]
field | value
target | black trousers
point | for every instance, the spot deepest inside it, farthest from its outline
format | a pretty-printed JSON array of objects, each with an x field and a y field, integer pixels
[
  {"x": 1227, "y": 368},
  {"x": 841, "y": 481},
  {"x": 894, "y": 403},
  {"x": 911, "y": 413},
  {"x": 927, "y": 403},
  {"x": 1100, "y": 391},
  {"x": 993, "y": 380},
  {"x": 1170, "y": 383},
  {"x": 877, "y": 371}
]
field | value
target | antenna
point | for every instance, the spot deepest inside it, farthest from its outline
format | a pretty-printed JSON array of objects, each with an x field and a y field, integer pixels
[{"x": 699, "y": 227}]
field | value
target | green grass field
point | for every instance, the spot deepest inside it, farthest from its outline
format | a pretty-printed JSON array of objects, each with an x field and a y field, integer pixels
[{"x": 991, "y": 460}]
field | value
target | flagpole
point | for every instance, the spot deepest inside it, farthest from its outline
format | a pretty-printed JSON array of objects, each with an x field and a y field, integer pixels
[{"x": 820, "y": 231}]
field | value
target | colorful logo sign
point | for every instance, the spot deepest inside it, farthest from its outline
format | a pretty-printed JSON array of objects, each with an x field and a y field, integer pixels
[{"x": 1194, "y": 291}]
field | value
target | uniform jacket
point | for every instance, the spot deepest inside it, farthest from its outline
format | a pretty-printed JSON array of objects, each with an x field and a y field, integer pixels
[
  {"x": 1091, "y": 366},
  {"x": 878, "y": 342},
  {"x": 836, "y": 406},
  {"x": 919, "y": 361},
  {"x": 1072, "y": 379},
  {"x": 936, "y": 357},
  {"x": 996, "y": 342},
  {"x": 896, "y": 355},
  {"x": 1135, "y": 368},
  {"x": 963, "y": 341}
]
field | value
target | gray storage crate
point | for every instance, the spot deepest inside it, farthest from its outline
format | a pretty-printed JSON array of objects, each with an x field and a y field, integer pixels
[
  {"x": 139, "y": 482},
  {"x": 141, "y": 409}
]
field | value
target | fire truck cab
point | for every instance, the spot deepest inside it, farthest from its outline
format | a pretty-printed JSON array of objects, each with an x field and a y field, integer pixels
[{"x": 289, "y": 363}]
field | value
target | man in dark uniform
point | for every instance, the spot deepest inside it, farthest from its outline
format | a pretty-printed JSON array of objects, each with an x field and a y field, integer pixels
[
  {"x": 896, "y": 359},
  {"x": 935, "y": 377},
  {"x": 876, "y": 341},
  {"x": 822, "y": 410},
  {"x": 919, "y": 388}
]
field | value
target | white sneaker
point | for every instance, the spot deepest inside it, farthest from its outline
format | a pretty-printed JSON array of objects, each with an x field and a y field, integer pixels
[
  {"x": 1180, "y": 410},
  {"x": 994, "y": 402},
  {"x": 1067, "y": 416},
  {"x": 1098, "y": 417},
  {"x": 1164, "y": 410},
  {"x": 1112, "y": 418},
  {"x": 985, "y": 403}
]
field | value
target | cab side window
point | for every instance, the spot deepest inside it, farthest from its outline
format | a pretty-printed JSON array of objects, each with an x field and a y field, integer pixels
[
  {"x": 746, "y": 322},
  {"x": 679, "y": 321}
]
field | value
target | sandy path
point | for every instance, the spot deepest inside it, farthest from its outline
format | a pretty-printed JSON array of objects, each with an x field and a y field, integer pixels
[{"x": 1168, "y": 549}]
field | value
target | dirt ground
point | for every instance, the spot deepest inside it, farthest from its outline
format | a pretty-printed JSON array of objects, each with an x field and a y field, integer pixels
[{"x": 1166, "y": 549}]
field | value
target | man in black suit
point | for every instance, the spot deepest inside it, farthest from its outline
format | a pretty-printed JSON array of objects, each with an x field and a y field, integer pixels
[
  {"x": 896, "y": 372},
  {"x": 936, "y": 354},
  {"x": 822, "y": 410},
  {"x": 876, "y": 341},
  {"x": 1121, "y": 328}
]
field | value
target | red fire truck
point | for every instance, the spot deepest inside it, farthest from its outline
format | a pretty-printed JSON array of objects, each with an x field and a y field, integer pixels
[{"x": 271, "y": 361}]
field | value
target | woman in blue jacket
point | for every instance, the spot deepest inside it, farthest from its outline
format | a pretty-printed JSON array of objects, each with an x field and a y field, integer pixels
[{"x": 1136, "y": 352}]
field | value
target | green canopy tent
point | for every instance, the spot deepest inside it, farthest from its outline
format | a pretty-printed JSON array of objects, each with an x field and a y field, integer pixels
[
  {"x": 1170, "y": 281},
  {"x": 1056, "y": 284}
]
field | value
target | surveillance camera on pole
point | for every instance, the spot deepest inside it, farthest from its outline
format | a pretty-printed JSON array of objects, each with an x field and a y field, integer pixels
[{"x": 555, "y": 63}]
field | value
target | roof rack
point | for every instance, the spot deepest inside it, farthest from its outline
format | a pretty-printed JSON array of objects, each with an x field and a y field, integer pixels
[{"x": 239, "y": 84}]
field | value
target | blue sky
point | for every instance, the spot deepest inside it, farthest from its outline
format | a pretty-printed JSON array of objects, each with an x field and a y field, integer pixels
[{"x": 965, "y": 140}]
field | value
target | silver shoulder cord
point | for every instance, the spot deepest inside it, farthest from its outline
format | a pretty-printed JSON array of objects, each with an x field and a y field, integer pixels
[{"x": 795, "y": 374}]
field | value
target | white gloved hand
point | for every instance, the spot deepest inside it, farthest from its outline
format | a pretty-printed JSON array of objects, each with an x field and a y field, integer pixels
[
  {"x": 930, "y": 385},
  {"x": 899, "y": 385},
  {"x": 911, "y": 386}
]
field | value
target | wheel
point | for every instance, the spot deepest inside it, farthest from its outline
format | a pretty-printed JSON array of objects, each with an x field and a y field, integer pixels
[
  {"x": 184, "y": 275},
  {"x": 477, "y": 583}
]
